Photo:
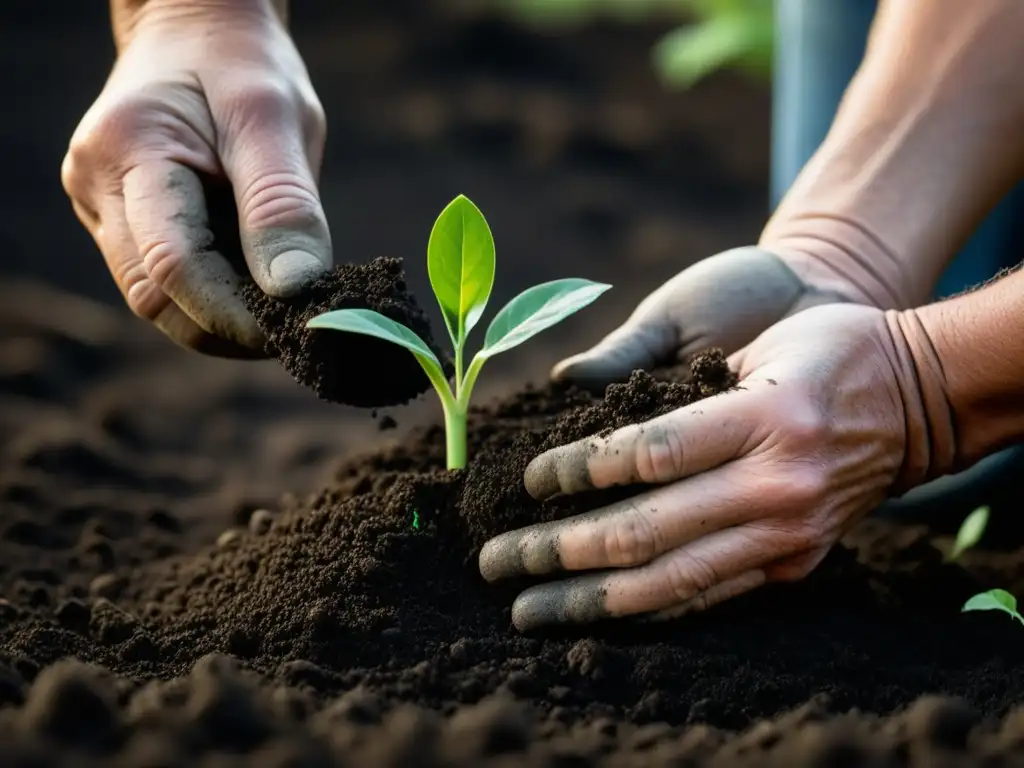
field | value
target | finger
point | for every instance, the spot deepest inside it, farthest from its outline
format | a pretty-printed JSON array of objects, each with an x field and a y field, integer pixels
[
  {"x": 797, "y": 566},
  {"x": 719, "y": 593},
  {"x": 145, "y": 298},
  {"x": 679, "y": 444},
  {"x": 671, "y": 580},
  {"x": 641, "y": 342},
  {"x": 165, "y": 207},
  {"x": 283, "y": 229},
  {"x": 633, "y": 531}
]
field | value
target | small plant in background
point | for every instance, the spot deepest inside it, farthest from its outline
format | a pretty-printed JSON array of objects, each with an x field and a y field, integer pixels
[
  {"x": 461, "y": 266},
  {"x": 994, "y": 600},
  {"x": 970, "y": 533},
  {"x": 724, "y": 33}
]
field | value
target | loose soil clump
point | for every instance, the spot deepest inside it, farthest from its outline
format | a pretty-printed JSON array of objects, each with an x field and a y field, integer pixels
[{"x": 347, "y": 368}]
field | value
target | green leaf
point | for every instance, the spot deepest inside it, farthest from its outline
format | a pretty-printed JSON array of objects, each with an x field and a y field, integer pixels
[
  {"x": 994, "y": 600},
  {"x": 460, "y": 262},
  {"x": 370, "y": 323},
  {"x": 537, "y": 309},
  {"x": 970, "y": 533},
  {"x": 690, "y": 53}
]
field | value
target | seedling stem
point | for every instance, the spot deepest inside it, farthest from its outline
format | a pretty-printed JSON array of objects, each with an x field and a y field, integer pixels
[{"x": 461, "y": 265}]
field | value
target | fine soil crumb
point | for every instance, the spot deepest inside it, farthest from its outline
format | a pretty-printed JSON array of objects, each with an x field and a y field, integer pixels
[{"x": 347, "y": 368}]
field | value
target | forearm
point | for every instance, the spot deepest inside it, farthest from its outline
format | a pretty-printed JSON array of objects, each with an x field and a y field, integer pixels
[
  {"x": 965, "y": 357},
  {"x": 125, "y": 14},
  {"x": 925, "y": 142}
]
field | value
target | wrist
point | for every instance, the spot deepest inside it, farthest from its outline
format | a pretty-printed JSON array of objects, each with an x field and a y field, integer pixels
[
  {"x": 842, "y": 255},
  {"x": 978, "y": 340},
  {"x": 129, "y": 16},
  {"x": 961, "y": 368}
]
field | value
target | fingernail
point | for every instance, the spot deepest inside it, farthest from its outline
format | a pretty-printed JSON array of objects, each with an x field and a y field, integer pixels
[
  {"x": 578, "y": 601},
  {"x": 500, "y": 558},
  {"x": 541, "y": 477},
  {"x": 532, "y": 550},
  {"x": 561, "y": 470},
  {"x": 292, "y": 270}
]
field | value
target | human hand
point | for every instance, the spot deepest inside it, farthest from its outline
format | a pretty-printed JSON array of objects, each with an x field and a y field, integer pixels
[
  {"x": 724, "y": 301},
  {"x": 750, "y": 486},
  {"x": 202, "y": 93}
]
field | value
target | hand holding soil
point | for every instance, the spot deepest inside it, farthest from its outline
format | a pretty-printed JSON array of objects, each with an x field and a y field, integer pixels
[
  {"x": 203, "y": 100},
  {"x": 751, "y": 486}
]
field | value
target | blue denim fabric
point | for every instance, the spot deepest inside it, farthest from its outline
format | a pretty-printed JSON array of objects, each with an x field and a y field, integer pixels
[{"x": 819, "y": 45}]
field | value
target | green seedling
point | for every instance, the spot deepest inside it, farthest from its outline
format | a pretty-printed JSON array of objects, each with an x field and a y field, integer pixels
[
  {"x": 970, "y": 533},
  {"x": 461, "y": 266},
  {"x": 994, "y": 600}
]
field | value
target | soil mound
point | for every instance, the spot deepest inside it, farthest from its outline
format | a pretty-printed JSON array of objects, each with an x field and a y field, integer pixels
[{"x": 351, "y": 622}]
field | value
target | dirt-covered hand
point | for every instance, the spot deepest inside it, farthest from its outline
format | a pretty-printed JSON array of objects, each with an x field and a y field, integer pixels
[
  {"x": 723, "y": 301},
  {"x": 201, "y": 94},
  {"x": 750, "y": 486}
]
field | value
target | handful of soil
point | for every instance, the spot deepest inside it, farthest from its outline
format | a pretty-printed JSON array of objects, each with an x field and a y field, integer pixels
[{"x": 347, "y": 368}]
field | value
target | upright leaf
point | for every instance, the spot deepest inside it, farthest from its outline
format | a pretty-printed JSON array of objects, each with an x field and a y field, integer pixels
[
  {"x": 970, "y": 533},
  {"x": 370, "y": 323},
  {"x": 460, "y": 262},
  {"x": 537, "y": 309},
  {"x": 994, "y": 600}
]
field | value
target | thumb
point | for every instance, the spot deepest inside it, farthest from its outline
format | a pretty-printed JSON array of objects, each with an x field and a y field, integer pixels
[
  {"x": 281, "y": 222},
  {"x": 643, "y": 341}
]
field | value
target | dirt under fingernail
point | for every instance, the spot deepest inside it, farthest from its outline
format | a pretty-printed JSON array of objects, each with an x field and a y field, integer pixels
[{"x": 347, "y": 368}]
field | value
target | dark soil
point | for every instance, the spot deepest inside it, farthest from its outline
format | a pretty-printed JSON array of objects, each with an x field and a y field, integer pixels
[
  {"x": 347, "y": 623},
  {"x": 190, "y": 575},
  {"x": 347, "y": 368}
]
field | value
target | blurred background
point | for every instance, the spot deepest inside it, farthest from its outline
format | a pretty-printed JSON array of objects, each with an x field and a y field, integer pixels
[
  {"x": 595, "y": 134},
  {"x": 614, "y": 140}
]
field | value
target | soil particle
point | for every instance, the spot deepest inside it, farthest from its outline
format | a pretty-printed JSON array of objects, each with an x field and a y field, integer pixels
[{"x": 347, "y": 368}]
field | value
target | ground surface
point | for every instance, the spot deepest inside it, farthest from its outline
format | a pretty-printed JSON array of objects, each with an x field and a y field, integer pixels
[{"x": 234, "y": 563}]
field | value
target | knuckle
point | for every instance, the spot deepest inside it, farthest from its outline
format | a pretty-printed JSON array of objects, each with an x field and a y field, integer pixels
[
  {"x": 281, "y": 199},
  {"x": 632, "y": 540},
  {"x": 111, "y": 131},
  {"x": 688, "y": 577},
  {"x": 72, "y": 169},
  {"x": 805, "y": 487},
  {"x": 163, "y": 262},
  {"x": 316, "y": 120},
  {"x": 122, "y": 120},
  {"x": 265, "y": 100},
  {"x": 659, "y": 454},
  {"x": 806, "y": 425},
  {"x": 142, "y": 295},
  {"x": 804, "y": 535}
]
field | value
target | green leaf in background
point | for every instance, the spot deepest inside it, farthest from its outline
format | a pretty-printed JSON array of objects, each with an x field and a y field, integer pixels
[
  {"x": 690, "y": 53},
  {"x": 370, "y": 323},
  {"x": 994, "y": 600},
  {"x": 716, "y": 34},
  {"x": 536, "y": 309},
  {"x": 460, "y": 262},
  {"x": 970, "y": 533}
]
